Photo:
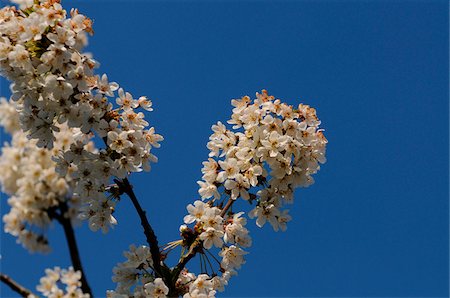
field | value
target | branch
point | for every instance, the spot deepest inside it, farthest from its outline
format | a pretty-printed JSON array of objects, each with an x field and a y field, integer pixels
[
  {"x": 73, "y": 248},
  {"x": 16, "y": 287},
  {"x": 148, "y": 230},
  {"x": 227, "y": 206}
]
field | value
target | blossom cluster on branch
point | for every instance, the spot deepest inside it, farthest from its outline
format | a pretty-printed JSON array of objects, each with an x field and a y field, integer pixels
[
  {"x": 36, "y": 191},
  {"x": 136, "y": 272},
  {"x": 53, "y": 169},
  {"x": 53, "y": 84},
  {"x": 271, "y": 149},
  {"x": 64, "y": 283}
]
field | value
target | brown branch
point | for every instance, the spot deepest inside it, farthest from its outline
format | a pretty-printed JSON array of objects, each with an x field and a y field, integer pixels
[
  {"x": 15, "y": 286},
  {"x": 227, "y": 206},
  {"x": 152, "y": 240},
  {"x": 73, "y": 247}
]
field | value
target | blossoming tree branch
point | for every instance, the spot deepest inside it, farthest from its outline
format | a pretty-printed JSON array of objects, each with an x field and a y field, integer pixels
[{"x": 76, "y": 137}]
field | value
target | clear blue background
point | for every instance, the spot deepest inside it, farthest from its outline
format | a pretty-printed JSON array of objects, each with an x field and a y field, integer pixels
[{"x": 376, "y": 221}]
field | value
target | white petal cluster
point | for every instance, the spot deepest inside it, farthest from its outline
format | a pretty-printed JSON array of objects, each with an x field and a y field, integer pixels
[
  {"x": 27, "y": 175},
  {"x": 271, "y": 149},
  {"x": 156, "y": 289},
  {"x": 64, "y": 283},
  {"x": 212, "y": 230},
  {"x": 209, "y": 223},
  {"x": 201, "y": 287},
  {"x": 135, "y": 276},
  {"x": 53, "y": 84}
]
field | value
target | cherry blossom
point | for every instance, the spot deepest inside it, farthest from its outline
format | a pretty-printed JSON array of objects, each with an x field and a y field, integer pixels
[
  {"x": 50, "y": 284},
  {"x": 53, "y": 169},
  {"x": 53, "y": 84}
]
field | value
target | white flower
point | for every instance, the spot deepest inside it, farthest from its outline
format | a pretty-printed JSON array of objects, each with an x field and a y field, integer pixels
[
  {"x": 211, "y": 237},
  {"x": 272, "y": 145},
  {"x": 252, "y": 174},
  {"x": 133, "y": 120},
  {"x": 126, "y": 101},
  {"x": 208, "y": 190},
  {"x": 49, "y": 284},
  {"x": 125, "y": 275},
  {"x": 145, "y": 103},
  {"x": 152, "y": 138},
  {"x": 235, "y": 232},
  {"x": 99, "y": 213},
  {"x": 57, "y": 87},
  {"x": 196, "y": 212},
  {"x": 240, "y": 104},
  {"x": 202, "y": 285},
  {"x": 156, "y": 289},
  {"x": 209, "y": 170},
  {"x": 232, "y": 257},
  {"x": 139, "y": 256},
  {"x": 19, "y": 57},
  {"x": 71, "y": 278},
  {"x": 63, "y": 36},
  {"x": 239, "y": 187},
  {"x": 118, "y": 142},
  {"x": 265, "y": 213},
  {"x": 212, "y": 218},
  {"x": 105, "y": 87},
  {"x": 124, "y": 165},
  {"x": 34, "y": 26},
  {"x": 230, "y": 169}
]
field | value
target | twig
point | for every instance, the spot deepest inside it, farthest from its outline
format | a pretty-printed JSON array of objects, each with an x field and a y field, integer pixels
[
  {"x": 73, "y": 247},
  {"x": 227, "y": 206},
  {"x": 15, "y": 286},
  {"x": 148, "y": 230}
]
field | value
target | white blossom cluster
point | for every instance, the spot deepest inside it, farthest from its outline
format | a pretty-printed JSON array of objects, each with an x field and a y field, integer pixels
[
  {"x": 211, "y": 230},
  {"x": 61, "y": 283},
  {"x": 135, "y": 276},
  {"x": 27, "y": 174},
  {"x": 214, "y": 229},
  {"x": 53, "y": 83},
  {"x": 272, "y": 149},
  {"x": 59, "y": 105}
]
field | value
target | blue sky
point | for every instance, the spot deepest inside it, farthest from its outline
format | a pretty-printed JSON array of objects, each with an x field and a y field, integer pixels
[{"x": 376, "y": 221}]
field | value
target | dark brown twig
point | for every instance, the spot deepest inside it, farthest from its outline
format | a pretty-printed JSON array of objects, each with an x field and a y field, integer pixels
[
  {"x": 73, "y": 247},
  {"x": 15, "y": 286},
  {"x": 151, "y": 238}
]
